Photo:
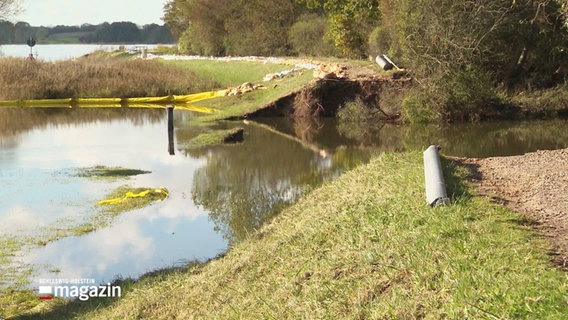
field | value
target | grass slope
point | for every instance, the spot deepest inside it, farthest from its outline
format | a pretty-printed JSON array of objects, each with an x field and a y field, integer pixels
[
  {"x": 365, "y": 246},
  {"x": 234, "y": 73}
]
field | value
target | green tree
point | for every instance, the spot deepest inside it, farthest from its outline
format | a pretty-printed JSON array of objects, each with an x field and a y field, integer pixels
[
  {"x": 308, "y": 35},
  {"x": 200, "y": 26},
  {"x": 259, "y": 27},
  {"x": 22, "y": 31},
  {"x": 127, "y": 32},
  {"x": 459, "y": 50},
  {"x": 222, "y": 27},
  {"x": 350, "y": 22},
  {"x": 7, "y": 30}
]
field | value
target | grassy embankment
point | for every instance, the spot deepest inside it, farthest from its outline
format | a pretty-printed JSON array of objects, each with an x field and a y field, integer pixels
[
  {"x": 234, "y": 73},
  {"x": 363, "y": 246}
]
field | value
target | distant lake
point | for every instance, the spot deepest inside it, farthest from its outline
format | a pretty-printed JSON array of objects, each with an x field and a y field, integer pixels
[{"x": 58, "y": 52}]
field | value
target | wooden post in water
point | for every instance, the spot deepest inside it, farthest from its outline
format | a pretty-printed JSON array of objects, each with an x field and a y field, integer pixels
[{"x": 171, "y": 149}]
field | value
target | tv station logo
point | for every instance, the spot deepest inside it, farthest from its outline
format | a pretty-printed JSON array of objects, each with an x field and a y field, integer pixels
[{"x": 82, "y": 289}]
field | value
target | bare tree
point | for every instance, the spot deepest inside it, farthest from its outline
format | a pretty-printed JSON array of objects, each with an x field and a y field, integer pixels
[{"x": 9, "y": 8}]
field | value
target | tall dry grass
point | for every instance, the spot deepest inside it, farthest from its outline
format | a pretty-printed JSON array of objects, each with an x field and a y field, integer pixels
[{"x": 95, "y": 76}]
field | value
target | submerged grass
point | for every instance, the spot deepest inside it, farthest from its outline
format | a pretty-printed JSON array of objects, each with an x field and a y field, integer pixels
[
  {"x": 365, "y": 246},
  {"x": 108, "y": 172}
]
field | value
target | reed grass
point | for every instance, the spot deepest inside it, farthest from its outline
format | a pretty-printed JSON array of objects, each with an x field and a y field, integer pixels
[{"x": 96, "y": 75}]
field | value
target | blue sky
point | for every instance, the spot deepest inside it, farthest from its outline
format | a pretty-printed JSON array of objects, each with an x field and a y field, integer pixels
[{"x": 77, "y": 12}]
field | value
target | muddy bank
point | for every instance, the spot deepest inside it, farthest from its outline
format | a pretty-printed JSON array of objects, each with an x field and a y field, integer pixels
[
  {"x": 535, "y": 185},
  {"x": 325, "y": 95}
]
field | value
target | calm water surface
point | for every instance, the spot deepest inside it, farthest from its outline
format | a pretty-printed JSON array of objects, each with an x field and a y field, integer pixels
[
  {"x": 218, "y": 195},
  {"x": 57, "y": 52}
]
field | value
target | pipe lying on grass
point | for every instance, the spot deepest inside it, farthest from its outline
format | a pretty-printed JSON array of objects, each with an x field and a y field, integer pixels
[{"x": 435, "y": 184}]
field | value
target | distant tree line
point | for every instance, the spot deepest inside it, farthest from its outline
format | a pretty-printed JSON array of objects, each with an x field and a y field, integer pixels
[{"x": 116, "y": 32}]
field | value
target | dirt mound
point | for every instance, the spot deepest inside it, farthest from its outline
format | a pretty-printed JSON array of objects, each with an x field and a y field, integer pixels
[{"x": 535, "y": 185}]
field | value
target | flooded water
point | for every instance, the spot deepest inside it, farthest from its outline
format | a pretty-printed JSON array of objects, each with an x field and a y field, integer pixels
[
  {"x": 57, "y": 52},
  {"x": 218, "y": 195}
]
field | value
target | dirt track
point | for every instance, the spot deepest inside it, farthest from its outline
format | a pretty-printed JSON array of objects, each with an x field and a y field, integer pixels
[{"x": 535, "y": 185}]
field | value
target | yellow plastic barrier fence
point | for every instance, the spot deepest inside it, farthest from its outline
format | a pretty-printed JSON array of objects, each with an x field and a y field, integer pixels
[
  {"x": 130, "y": 195},
  {"x": 118, "y": 102},
  {"x": 97, "y": 101},
  {"x": 141, "y": 105},
  {"x": 199, "y": 96},
  {"x": 37, "y": 103},
  {"x": 166, "y": 99},
  {"x": 199, "y": 109}
]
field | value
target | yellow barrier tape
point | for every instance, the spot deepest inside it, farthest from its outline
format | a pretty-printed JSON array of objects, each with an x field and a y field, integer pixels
[
  {"x": 147, "y": 105},
  {"x": 47, "y": 101},
  {"x": 166, "y": 99},
  {"x": 80, "y": 101},
  {"x": 199, "y": 96},
  {"x": 118, "y": 102},
  {"x": 195, "y": 108},
  {"x": 102, "y": 105},
  {"x": 130, "y": 195}
]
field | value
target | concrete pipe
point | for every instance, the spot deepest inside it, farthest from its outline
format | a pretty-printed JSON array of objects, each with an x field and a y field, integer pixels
[
  {"x": 384, "y": 62},
  {"x": 435, "y": 184}
]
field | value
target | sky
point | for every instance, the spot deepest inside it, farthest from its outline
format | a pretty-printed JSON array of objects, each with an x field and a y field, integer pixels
[{"x": 77, "y": 12}]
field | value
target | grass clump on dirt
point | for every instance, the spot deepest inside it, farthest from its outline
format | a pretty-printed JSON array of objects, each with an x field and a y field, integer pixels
[{"x": 365, "y": 246}]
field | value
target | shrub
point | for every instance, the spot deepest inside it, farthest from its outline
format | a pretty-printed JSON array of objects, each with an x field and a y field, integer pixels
[
  {"x": 458, "y": 50},
  {"x": 308, "y": 36},
  {"x": 379, "y": 41},
  {"x": 459, "y": 96}
]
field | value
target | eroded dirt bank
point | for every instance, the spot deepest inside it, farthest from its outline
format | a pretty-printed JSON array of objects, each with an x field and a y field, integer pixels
[
  {"x": 535, "y": 185},
  {"x": 336, "y": 84}
]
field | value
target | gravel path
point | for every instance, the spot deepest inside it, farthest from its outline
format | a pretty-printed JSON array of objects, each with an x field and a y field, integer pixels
[{"x": 535, "y": 185}]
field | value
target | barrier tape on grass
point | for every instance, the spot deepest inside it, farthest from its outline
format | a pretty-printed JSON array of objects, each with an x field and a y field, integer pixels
[{"x": 131, "y": 195}]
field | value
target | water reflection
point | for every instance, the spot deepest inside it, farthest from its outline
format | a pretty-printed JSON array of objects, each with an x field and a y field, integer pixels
[
  {"x": 489, "y": 139},
  {"x": 480, "y": 140},
  {"x": 243, "y": 186},
  {"x": 217, "y": 194},
  {"x": 136, "y": 243}
]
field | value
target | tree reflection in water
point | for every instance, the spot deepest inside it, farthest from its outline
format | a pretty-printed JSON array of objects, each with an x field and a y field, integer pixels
[{"x": 244, "y": 185}]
